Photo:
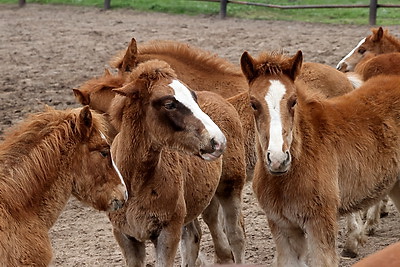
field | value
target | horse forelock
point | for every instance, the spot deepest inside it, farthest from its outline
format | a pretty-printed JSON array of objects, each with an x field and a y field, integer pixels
[
  {"x": 32, "y": 152},
  {"x": 272, "y": 63}
]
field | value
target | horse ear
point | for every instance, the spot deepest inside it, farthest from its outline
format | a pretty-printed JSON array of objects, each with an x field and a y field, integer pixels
[
  {"x": 377, "y": 36},
  {"x": 296, "y": 61},
  {"x": 107, "y": 73},
  {"x": 81, "y": 97},
  {"x": 247, "y": 65},
  {"x": 131, "y": 89},
  {"x": 129, "y": 60},
  {"x": 85, "y": 121}
]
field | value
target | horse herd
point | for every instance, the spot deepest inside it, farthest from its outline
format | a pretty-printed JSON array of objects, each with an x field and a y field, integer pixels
[{"x": 175, "y": 132}]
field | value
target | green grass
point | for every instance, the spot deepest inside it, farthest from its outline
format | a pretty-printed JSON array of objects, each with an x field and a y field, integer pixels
[{"x": 385, "y": 16}]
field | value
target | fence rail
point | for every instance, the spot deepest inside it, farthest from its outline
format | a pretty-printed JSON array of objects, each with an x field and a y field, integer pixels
[{"x": 373, "y": 7}]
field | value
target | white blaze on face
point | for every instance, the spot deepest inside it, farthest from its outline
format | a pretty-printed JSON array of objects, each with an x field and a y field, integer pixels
[
  {"x": 273, "y": 98},
  {"x": 349, "y": 54},
  {"x": 183, "y": 95},
  {"x": 117, "y": 170}
]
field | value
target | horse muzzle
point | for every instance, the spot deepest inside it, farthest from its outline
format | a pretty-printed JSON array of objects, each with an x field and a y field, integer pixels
[
  {"x": 214, "y": 150},
  {"x": 278, "y": 163}
]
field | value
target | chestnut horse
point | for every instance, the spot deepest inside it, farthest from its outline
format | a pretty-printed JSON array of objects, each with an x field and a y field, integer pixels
[
  {"x": 376, "y": 54},
  {"x": 319, "y": 158},
  {"x": 202, "y": 70},
  {"x": 98, "y": 94},
  {"x": 379, "y": 42},
  {"x": 45, "y": 159},
  {"x": 180, "y": 186}
]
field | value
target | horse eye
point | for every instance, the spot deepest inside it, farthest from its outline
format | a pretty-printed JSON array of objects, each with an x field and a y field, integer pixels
[
  {"x": 361, "y": 50},
  {"x": 254, "y": 104},
  {"x": 170, "y": 105},
  {"x": 105, "y": 153}
]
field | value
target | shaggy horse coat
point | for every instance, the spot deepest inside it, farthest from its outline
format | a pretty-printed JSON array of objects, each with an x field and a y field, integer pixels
[
  {"x": 319, "y": 158},
  {"x": 45, "y": 159}
]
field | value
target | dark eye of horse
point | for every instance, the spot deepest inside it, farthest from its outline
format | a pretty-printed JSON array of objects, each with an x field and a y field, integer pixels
[
  {"x": 170, "y": 105},
  {"x": 361, "y": 50},
  {"x": 292, "y": 103},
  {"x": 105, "y": 153},
  {"x": 254, "y": 104}
]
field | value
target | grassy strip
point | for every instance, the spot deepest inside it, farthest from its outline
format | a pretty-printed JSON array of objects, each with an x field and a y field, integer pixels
[{"x": 385, "y": 16}]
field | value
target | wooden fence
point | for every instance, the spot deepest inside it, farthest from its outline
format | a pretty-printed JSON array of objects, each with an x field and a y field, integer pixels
[{"x": 373, "y": 7}]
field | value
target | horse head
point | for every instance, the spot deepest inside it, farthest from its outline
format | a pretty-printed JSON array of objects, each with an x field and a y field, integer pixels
[
  {"x": 97, "y": 181},
  {"x": 273, "y": 100},
  {"x": 172, "y": 115}
]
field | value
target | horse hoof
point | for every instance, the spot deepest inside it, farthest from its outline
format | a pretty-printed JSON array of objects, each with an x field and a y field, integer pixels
[
  {"x": 348, "y": 254},
  {"x": 384, "y": 214}
]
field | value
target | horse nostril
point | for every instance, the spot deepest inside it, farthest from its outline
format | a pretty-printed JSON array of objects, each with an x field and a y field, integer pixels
[
  {"x": 214, "y": 144},
  {"x": 117, "y": 204},
  {"x": 288, "y": 158},
  {"x": 269, "y": 158}
]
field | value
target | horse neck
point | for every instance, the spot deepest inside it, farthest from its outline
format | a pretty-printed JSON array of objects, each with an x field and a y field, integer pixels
[
  {"x": 49, "y": 187},
  {"x": 203, "y": 72},
  {"x": 306, "y": 128},
  {"x": 136, "y": 153}
]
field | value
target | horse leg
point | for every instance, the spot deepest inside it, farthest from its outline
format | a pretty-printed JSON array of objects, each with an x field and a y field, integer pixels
[
  {"x": 291, "y": 245},
  {"x": 223, "y": 253},
  {"x": 167, "y": 242},
  {"x": 134, "y": 251},
  {"x": 384, "y": 210},
  {"x": 233, "y": 222},
  {"x": 395, "y": 195},
  {"x": 321, "y": 237},
  {"x": 355, "y": 235},
  {"x": 190, "y": 243},
  {"x": 372, "y": 218}
]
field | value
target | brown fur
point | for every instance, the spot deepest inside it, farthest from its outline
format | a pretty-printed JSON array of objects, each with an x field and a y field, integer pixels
[
  {"x": 388, "y": 63},
  {"x": 338, "y": 144},
  {"x": 233, "y": 168},
  {"x": 45, "y": 159}
]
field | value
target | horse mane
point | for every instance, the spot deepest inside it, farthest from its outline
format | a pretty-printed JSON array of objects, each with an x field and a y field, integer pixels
[
  {"x": 106, "y": 81},
  {"x": 31, "y": 151},
  {"x": 274, "y": 62},
  {"x": 185, "y": 52}
]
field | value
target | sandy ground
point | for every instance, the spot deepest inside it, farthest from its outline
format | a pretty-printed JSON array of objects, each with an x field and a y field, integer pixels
[{"x": 45, "y": 51}]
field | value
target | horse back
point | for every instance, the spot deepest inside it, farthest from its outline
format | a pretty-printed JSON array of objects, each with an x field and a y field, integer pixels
[
  {"x": 324, "y": 79},
  {"x": 379, "y": 64}
]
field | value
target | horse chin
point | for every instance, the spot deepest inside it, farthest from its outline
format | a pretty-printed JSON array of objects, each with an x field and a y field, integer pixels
[
  {"x": 210, "y": 156},
  {"x": 278, "y": 172}
]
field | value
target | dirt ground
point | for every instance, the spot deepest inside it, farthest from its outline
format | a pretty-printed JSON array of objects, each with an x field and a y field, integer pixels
[{"x": 45, "y": 51}]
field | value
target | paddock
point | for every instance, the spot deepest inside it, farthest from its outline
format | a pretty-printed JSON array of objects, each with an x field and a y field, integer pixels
[{"x": 46, "y": 50}]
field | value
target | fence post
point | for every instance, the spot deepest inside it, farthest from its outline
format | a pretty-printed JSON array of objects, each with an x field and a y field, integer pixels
[
  {"x": 107, "y": 4},
  {"x": 222, "y": 10},
  {"x": 21, "y": 3},
  {"x": 373, "y": 6}
]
